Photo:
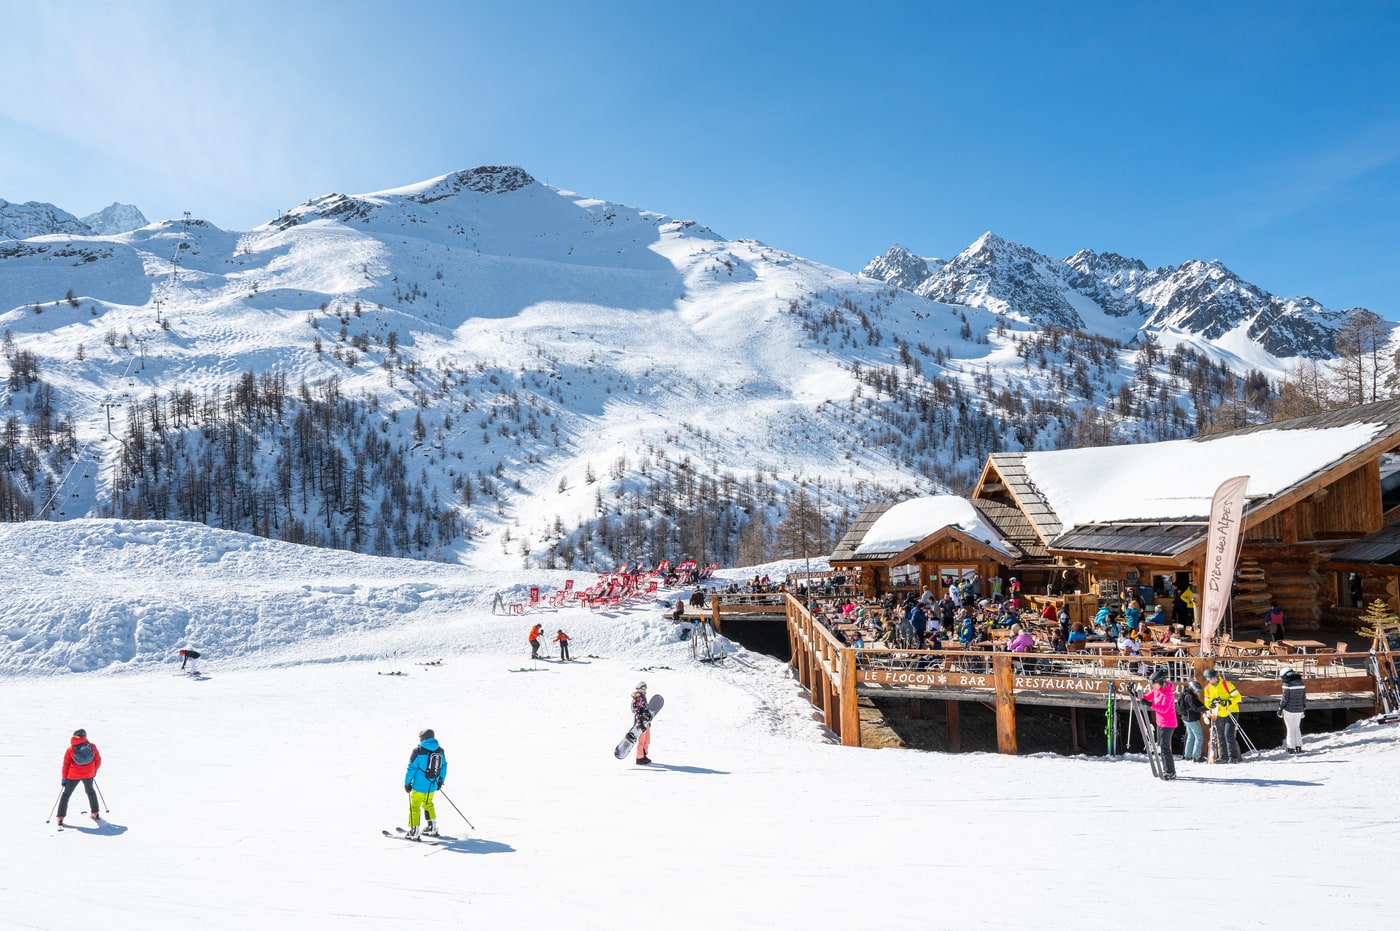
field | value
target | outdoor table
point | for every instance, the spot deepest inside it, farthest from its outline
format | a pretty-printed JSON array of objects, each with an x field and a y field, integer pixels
[{"x": 1302, "y": 646}]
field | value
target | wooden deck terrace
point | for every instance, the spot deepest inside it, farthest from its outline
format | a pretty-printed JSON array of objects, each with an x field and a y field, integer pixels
[{"x": 837, "y": 676}]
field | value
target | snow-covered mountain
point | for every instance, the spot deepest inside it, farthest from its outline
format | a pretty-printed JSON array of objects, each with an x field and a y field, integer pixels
[
  {"x": 23, "y": 221},
  {"x": 484, "y": 368},
  {"x": 1117, "y": 296},
  {"x": 114, "y": 219}
]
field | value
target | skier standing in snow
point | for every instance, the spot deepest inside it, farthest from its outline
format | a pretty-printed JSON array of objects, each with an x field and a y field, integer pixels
[
  {"x": 81, "y": 761},
  {"x": 1189, "y": 708},
  {"x": 562, "y": 639},
  {"x": 1223, "y": 699},
  {"x": 536, "y": 633},
  {"x": 427, "y": 771},
  {"x": 1292, "y": 703},
  {"x": 1161, "y": 698},
  {"x": 641, "y": 717},
  {"x": 192, "y": 658}
]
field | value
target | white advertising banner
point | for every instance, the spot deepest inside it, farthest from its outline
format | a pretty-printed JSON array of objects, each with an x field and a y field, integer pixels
[{"x": 1222, "y": 551}]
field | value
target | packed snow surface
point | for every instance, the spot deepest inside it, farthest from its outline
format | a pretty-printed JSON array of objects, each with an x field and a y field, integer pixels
[
  {"x": 1177, "y": 478},
  {"x": 255, "y": 798}
]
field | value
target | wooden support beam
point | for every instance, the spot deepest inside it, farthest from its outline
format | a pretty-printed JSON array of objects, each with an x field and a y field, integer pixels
[
  {"x": 1005, "y": 682},
  {"x": 952, "y": 711},
  {"x": 916, "y": 708},
  {"x": 1074, "y": 716},
  {"x": 850, "y": 702}
]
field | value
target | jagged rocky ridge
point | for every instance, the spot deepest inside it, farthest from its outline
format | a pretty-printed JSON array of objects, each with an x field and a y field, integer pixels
[{"x": 1204, "y": 299}]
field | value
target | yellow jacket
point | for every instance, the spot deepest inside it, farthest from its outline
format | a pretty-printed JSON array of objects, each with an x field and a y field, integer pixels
[{"x": 1222, "y": 697}]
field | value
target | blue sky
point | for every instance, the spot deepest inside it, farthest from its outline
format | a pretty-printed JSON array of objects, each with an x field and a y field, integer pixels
[{"x": 1266, "y": 135}]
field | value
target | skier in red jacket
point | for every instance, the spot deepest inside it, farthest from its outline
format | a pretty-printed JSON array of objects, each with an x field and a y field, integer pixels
[
  {"x": 80, "y": 762},
  {"x": 536, "y": 633}
]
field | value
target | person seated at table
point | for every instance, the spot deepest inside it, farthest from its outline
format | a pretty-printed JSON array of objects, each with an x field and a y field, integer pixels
[
  {"x": 1076, "y": 634},
  {"x": 1128, "y": 642},
  {"x": 858, "y": 641},
  {"x": 1158, "y": 616},
  {"x": 1101, "y": 616},
  {"x": 1057, "y": 641},
  {"x": 1049, "y": 614},
  {"x": 934, "y": 639},
  {"x": 1020, "y": 641},
  {"x": 984, "y": 634}
]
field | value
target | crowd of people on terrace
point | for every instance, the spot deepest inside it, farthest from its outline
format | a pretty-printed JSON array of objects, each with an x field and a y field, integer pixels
[{"x": 966, "y": 618}]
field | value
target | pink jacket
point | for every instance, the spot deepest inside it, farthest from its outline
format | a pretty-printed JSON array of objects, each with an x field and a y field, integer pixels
[
  {"x": 1021, "y": 643},
  {"x": 1163, "y": 704}
]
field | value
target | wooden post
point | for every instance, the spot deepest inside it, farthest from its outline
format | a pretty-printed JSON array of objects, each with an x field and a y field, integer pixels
[
  {"x": 714, "y": 611},
  {"x": 1074, "y": 715},
  {"x": 850, "y": 703},
  {"x": 951, "y": 710},
  {"x": 916, "y": 709},
  {"x": 1005, "y": 702}
]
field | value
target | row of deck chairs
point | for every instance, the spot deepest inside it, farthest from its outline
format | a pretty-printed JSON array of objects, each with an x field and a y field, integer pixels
[{"x": 616, "y": 588}]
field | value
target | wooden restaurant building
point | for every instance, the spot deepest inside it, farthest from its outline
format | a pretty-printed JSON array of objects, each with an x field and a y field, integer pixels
[
  {"x": 1321, "y": 531},
  {"x": 1320, "y": 536}
]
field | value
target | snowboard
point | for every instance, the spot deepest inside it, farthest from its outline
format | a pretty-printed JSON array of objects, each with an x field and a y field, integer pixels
[{"x": 629, "y": 740}]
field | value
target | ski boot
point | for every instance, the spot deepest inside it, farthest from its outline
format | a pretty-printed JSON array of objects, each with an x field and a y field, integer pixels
[
  {"x": 413, "y": 834},
  {"x": 431, "y": 829},
  {"x": 643, "y": 760},
  {"x": 60, "y": 820},
  {"x": 96, "y": 816}
]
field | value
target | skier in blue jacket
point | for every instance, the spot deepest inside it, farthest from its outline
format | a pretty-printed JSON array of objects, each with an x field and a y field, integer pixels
[{"x": 427, "y": 771}]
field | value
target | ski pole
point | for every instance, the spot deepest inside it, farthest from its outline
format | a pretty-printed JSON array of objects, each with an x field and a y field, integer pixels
[
  {"x": 55, "y": 806},
  {"x": 100, "y": 798},
  {"x": 456, "y": 809}
]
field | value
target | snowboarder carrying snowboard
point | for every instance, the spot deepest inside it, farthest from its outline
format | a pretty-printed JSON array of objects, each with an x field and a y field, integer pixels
[
  {"x": 641, "y": 717},
  {"x": 81, "y": 762},
  {"x": 562, "y": 639},
  {"x": 536, "y": 633},
  {"x": 427, "y": 771},
  {"x": 192, "y": 658}
]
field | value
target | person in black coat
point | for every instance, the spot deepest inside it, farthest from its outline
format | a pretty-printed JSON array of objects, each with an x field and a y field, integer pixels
[{"x": 1292, "y": 703}]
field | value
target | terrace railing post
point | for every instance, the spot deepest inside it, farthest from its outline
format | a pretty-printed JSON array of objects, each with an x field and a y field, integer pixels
[{"x": 1005, "y": 681}]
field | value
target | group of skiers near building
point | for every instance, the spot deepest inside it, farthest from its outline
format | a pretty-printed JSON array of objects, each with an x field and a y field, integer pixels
[{"x": 1219, "y": 703}]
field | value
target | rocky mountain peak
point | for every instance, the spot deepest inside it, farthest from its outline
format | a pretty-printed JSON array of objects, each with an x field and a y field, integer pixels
[
  {"x": 32, "y": 218},
  {"x": 115, "y": 219},
  {"x": 900, "y": 267}
]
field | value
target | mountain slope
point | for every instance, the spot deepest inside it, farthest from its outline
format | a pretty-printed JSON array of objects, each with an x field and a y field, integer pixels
[{"x": 483, "y": 368}]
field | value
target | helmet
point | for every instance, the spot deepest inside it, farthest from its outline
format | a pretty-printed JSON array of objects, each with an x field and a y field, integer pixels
[
  {"x": 641, "y": 686},
  {"x": 426, "y": 734},
  {"x": 1285, "y": 672},
  {"x": 1159, "y": 676},
  {"x": 80, "y": 733},
  {"x": 1211, "y": 674}
]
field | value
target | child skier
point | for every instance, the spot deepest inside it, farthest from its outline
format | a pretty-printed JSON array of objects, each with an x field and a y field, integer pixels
[
  {"x": 562, "y": 639},
  {"x": 81, "y": 761},
  {"x": 427, "y": 771}
]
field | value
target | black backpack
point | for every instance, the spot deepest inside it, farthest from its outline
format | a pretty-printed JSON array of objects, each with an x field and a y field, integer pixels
[
  {"x": 82, "y": 754},
  {"x": 433, "y": 768}
]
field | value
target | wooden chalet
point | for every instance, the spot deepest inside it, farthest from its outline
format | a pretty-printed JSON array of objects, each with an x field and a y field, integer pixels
[
  {"x": 1321, "y": 534},
  {"x": 927, "y": 542}
]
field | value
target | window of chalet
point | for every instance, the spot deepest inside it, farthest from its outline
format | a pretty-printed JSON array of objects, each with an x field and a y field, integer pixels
[
  {"x": 904, "y": 576},
  {"x": 1349, "y": 590}
]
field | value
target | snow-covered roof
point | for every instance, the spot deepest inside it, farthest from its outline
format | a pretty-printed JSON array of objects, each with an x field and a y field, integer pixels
[
  {"x": 1176, "y": 479},
  {"x": 910, "y": 521}
]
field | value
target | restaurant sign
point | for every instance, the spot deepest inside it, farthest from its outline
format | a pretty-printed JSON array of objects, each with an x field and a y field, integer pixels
[{"x": 939, "y": 678}]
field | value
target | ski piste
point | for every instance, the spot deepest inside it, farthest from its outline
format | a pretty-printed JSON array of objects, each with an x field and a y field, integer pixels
[
  {"x": 1149, "y": 733},
  {"x": 629, "y": 740}
]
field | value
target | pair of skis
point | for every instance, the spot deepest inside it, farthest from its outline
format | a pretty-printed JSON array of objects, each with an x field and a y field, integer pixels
[
  {"x": 1149, "y": 736},
  {"x": 433, "y": 840}
]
